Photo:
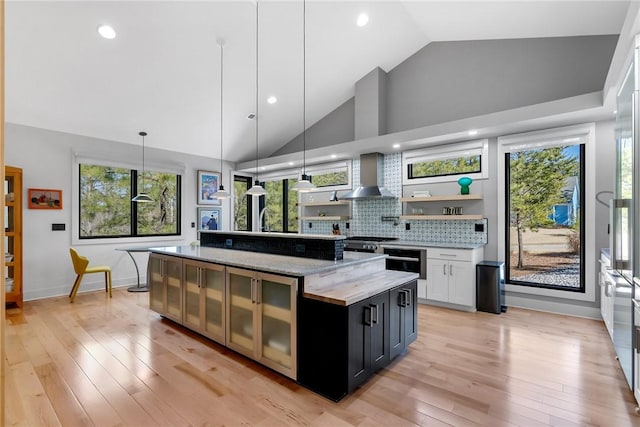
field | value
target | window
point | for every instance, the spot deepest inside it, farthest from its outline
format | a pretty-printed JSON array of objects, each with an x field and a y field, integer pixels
[
  {"x": 241, "y": 205},
  {"x": 106, "y": 209},
  {"x": 545, "y": 217},
  {"x": 564, "y": 146},
  {"x": 331, "y": 176},
  {"x": 445, "y": 163},
  {"x": 279, "y": 207}
]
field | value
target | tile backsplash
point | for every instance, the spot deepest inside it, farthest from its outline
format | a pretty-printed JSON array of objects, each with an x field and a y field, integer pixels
[{"x": 366, "y": 216}]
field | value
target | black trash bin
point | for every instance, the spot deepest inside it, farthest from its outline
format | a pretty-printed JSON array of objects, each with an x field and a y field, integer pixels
[{"x": 490, "y": 287}]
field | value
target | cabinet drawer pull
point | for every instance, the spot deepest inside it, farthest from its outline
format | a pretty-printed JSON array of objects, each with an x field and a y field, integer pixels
[
  {"x": 409, "y": 297},
  {"x": 449, "y": 255},
  {"x": 374, "y": 320},
  {"x": 258, "y": 293},
  {"x": 450, "y": 270},
  {"x": 253, "y": 295},
  {"x": 367, "y": 319},
  {"x": 401, "y": 298},
  {"x": 444, "y": 269}
]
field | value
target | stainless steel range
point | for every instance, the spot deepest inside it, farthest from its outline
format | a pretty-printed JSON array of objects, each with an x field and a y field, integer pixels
[{"x": 365, "y": 243}]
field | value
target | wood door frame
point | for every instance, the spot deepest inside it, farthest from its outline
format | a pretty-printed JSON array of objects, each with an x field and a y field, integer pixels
[{"x": 2, "y": 296}]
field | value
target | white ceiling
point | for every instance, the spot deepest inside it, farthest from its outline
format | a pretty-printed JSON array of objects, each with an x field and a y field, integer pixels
[{"x": 162, "y": 72}]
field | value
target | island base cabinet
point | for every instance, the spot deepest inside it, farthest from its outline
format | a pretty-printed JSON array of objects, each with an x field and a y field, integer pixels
[
  {"x": 261, "y": 318},
  {"x": 403, "y": 317},
  {"x": 204, "y": 299},
  {"x": 165, "y": 284},
  {"x": 343, "y": 346}
]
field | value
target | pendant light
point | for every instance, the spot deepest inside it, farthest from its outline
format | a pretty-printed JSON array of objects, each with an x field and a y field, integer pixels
[
  {"x": 304, "y": 185},
  {"x": 257, "y": 190},
  {"x": 142, "y": 197},
  {"x": 221, "y": 193}
]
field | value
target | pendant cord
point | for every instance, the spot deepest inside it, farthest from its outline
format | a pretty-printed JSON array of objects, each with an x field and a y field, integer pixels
[
  {"x": 257, "y": 174},
  {"x": 143, "y": 135},
  {"x": 304, "y": 88},
  {"x": 221, "y": 116}
]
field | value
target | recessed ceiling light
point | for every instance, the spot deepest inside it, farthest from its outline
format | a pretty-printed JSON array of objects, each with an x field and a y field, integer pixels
[
  {"x": 290, "y": 163},
  {"x": 363, "y": 18},
  {"x": 333, "y": 156},
  {"x": 272, "y": 100},
  {"x": 107, "y": 31},
  {"x": 396, "y": 145},
  {"x": 472, "y": 132},
  {"x": 615, "y": 111}
]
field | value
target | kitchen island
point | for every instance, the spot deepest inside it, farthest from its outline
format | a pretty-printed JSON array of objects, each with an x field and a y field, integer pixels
[{"x": 309, "y": 319}]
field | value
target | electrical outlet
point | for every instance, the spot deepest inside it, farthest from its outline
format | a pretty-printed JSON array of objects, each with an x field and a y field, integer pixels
[
  {"x": 407, "y": 226},
  {"x": 347, "y": 226},
  {"x": 310, "y": 225},
  {"x": 479, "y": 228},
  {"x": 193, "y": 225}
]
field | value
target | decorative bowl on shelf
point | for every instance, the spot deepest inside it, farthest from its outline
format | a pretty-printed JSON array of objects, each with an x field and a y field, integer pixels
[{"x": 8, "y": 257}]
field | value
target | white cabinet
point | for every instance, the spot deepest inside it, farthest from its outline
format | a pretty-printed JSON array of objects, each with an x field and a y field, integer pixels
[
  {"x": 261, "y": 318},
  {"x": 607, "y": 290},
  {"x": 636, "y": 355},
  {"x": 451, "y": 275}
]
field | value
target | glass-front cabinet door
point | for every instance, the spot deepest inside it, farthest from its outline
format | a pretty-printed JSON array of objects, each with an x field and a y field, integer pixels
[
  {"x": 241, "y": 311},
  {"x": 277, "y": 309},
  {"x": 155, "y": 277},
  {"x": 173, "y": 277},
  {"x": 204, "y": 290}
]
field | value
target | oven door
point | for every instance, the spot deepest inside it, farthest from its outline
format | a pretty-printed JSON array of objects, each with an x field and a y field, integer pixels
[{"x": 411, "y": 260}]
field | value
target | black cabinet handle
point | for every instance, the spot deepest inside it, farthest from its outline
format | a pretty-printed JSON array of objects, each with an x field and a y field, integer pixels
[
  {"x": 374, "y": 320},
  {"x": 367, "y": 321},
  {"x": 402, "y": 299},
  {"x": 408, "y": 291}
]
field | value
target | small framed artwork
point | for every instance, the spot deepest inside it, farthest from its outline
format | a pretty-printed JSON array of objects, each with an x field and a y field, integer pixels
[
  {"x": 40, "y": 198},
  {"x": 207, "y": 186},
  {"x": 209, "y": 219}
]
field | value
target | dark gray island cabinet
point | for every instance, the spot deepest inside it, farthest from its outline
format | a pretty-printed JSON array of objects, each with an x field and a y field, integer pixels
[{"x": 329, "y": 325}]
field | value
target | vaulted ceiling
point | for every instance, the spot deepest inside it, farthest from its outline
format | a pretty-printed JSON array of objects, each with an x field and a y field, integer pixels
[{"x": 162, "y": 71}]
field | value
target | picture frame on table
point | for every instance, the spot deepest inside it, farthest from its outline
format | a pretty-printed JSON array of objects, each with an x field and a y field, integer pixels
[
  {"x": 209, "y": 219},
  {"x": 208, "y": 183},
  {"x": 43, "y": 198}
]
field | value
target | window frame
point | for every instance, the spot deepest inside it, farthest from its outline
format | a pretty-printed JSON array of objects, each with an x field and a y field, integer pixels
[
  {"x": 546, "y": 138},
  {"x": 333, "y": 167},
  {"x": 284, "y": 176},
  {"x": 84, "y": 158},
  {"x": 446, "y": 151}
]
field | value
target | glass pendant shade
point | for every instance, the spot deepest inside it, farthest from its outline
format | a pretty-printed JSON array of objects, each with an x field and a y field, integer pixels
[
  {"x": 304, "y": 185},
  {"x": 221, "y": 193},
  {"x": 256, "y": 190},
  {"x": 142, "y": 197}
]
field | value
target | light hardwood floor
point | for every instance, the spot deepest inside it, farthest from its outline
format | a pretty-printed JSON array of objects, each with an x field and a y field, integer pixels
[{"x": 112, "y": 362}]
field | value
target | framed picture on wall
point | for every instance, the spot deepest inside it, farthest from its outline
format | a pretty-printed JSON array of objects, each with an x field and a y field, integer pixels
[
  {"x": 207, "y": 186},
  {"x": 209, "y": 219},
  {"x": 40, "y": 198}
]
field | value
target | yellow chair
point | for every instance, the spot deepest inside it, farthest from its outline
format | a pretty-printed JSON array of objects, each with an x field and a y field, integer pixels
[{"x": 80, "y": 265}]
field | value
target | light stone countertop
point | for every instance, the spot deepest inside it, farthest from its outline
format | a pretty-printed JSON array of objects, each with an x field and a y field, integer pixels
[
  {"x": 422, "y": 244},
  {"x": 278, "y": 264},
  {"x": 278, "y": 235}
]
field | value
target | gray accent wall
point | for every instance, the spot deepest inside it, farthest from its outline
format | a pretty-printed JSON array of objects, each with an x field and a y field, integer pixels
[
  {"x": 371, "y": 105},
  {"x": 335, "y": 128},
  {"x": 446, "y": 81}
]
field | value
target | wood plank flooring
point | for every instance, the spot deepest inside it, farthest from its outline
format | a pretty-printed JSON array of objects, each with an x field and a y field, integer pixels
[{"x": 113, "y": 362}]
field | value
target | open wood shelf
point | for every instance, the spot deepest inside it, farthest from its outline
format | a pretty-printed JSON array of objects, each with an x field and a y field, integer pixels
[
  {"x": 336, "y": 203},
  {"x": 440, "y": 217},
  {"x": 446, "y": 198},
  {"x": 325, "y": 218}
]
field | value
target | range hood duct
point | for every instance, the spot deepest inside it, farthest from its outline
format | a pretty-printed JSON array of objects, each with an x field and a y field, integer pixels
[{"x": 371, "y": 179}]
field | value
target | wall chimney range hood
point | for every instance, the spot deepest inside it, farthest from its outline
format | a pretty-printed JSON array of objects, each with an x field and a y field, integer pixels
[{"x": 371, "y": 180}]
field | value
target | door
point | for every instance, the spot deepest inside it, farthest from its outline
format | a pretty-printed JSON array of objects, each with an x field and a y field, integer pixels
[
  {"x": 173, "y": 285},
  {"x": 241, "y": 311},
  {"x": 212, "y": 285},
  {"x": 437, "y": 280},
  {"x": 359, "y": 323},
  {"x": 461, "y": 284},
  {"x": 379, "y": 329},
  {"x": 192, "y": 315},
  {"x": 277, "y": 296},
  {"x": 410, "y": 314},
  {"x": 397, "y": 301},
  {"x": 155, "y": 277}
]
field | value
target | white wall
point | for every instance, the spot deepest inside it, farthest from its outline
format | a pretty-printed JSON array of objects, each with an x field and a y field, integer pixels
[{"x": 46, "y": 158}]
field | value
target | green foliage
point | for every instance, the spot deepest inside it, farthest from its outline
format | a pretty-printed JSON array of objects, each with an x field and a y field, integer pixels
[
  {"x": 453, "y": 166},
  {"x": 537, "y": 178},
  {"x": 159, "y": 217},
  {"x": 240, "y": 220},
  {"x": 330, "y": 179}
]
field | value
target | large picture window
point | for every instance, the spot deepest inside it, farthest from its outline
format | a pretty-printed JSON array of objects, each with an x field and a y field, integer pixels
[{"x": 106, "y": 209}]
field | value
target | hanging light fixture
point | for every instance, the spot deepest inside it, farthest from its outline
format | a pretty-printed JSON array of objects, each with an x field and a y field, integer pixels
[
  {"x": 257, "y": 189},
  {"x": 142, "y": 197},
  {"x": 304, "y": 185},
  {"x": 221, "y": 193}
]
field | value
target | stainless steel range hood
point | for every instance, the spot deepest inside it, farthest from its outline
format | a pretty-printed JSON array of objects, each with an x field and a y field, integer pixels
[{"x": 371, "y": 179}]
